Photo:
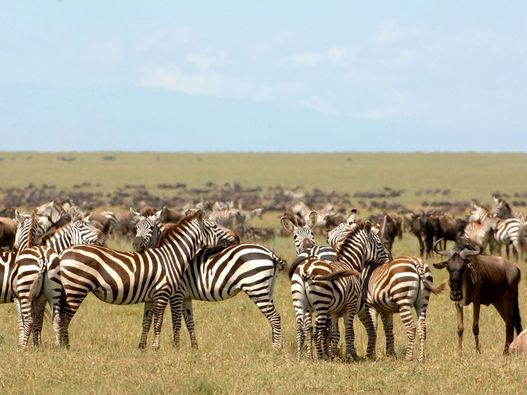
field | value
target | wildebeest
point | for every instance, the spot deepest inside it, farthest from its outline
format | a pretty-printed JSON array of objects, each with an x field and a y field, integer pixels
[
  {"x": 482, "y": 280},
  {"x": 7, "y": 232}
]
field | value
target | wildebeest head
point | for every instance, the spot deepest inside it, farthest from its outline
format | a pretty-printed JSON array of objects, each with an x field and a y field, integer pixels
[{"x": 457, "y": 265}]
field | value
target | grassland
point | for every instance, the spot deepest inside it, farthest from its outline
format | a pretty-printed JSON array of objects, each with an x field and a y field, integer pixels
[{"x": 235, "y": 354}]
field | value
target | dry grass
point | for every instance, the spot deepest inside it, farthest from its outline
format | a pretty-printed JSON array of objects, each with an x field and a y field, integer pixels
[{"x": 235, "y": 354}]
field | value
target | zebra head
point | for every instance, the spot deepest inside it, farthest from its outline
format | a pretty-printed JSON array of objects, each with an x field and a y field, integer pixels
[
  {"x": 502, "y": 209},
  {"x": 358, "y": 243},
  {"x": 212, "y": 234},
  {"x": 148, "y": 232},
  {"x": 303, "y": 236},
  {"x": 83, "y": 232},
  {"x": 30, "y": 229}
]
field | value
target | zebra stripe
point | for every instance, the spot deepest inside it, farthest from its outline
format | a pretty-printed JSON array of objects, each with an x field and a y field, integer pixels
[
  {"x": 219, "y": 275},
  {"x": 39, "y": 277},
  {"x": 152, "y": 276},
  {"x": 395, "y": 287},
  {"x": 304, "y": 240},
  {"x": 357, "y": 246}
]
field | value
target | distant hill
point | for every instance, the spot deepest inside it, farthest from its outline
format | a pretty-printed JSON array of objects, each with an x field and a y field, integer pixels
[{"x": 136, "y": 119}]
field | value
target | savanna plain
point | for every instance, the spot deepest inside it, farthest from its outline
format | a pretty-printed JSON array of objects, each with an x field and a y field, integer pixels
[{"x": 235, "y": 354}]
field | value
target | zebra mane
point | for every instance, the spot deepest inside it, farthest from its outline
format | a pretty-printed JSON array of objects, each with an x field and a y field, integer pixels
[
  {"x": 356, "y": 227},
  {"x": 32, "y": 226},
  {"x": 173, "y": 227}
]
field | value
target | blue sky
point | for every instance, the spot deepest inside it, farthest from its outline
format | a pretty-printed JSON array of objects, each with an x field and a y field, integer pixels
[{"x": 263, "y": 76}]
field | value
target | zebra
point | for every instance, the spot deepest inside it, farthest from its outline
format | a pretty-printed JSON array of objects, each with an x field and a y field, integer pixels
[
  {"x": 334, "y": 288},
  {"x": 151, "y": 277},
  {"x": 506, "y": 230},
  {"x": 304, "y": 239},
  {"x": 216, "y": 275},
  {"x": 30, "y": 228},
  {"x": 38, "y": 276},
  {"x": 511, "y": 228}
]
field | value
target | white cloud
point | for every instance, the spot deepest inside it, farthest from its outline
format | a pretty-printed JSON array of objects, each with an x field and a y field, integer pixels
[
  {"x": 337, "y": 54},
  {"x": 200, "y": 82}
]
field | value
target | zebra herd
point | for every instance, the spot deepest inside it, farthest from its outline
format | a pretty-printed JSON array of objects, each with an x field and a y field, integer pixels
[{"x": 60, "y": 259}]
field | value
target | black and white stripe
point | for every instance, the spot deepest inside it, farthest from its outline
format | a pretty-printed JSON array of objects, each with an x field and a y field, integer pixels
[
  {"x": 39, "y": 278},
  {"x": 151, "y": 277},
  {"x": 334, "y": 289},
  {"x": 216, "y": 275}
]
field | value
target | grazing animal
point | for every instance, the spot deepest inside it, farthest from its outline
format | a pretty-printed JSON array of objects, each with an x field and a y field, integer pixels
[
  {"x": 305, "y": 247},
  {"x": 38, "y": 278},
  {"x": 396, "y": 286},
  {"x": 482, "y": 280},
  {"x": 151, "y": 277},
  {"x": 390, "y": 229},
  {"x": 333, "y": 289},
  {"x": 219, "y": 274},
  {"x": 480, "y": 228},
  {"x": 30, "y": 229},
  {"x": 7, "y": 233}
]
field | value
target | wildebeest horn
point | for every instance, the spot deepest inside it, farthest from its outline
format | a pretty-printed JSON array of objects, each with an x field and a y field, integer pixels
[
  {"x": 468, "y": 252},
  {"x": 449, "y": 254}
]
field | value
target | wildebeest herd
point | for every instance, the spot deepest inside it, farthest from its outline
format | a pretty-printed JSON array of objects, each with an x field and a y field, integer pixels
[{"x": 56, "y": 254}]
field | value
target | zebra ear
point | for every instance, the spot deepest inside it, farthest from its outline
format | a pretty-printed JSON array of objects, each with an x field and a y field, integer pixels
[
  {"x": 87, "y": 218},
  {"x": 19, "y": 218},
  {"x": 313, "y": 215},
  {"x": 287, "y": 224},
  {"x": 135, "y": 215}
]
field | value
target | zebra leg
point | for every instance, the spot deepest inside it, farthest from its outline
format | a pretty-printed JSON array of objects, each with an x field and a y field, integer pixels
[
  {"x": 299, "y": 334},
  {"x": 176, "y": 305},
  {"x": 408, "y": 321},
  {"x": 335, "y": 336},
  {"x": 308, "y": 333},
  {"x": 421, "y": 330},
  {"x": 351, "y": 353},
  {"x": 266, "y": 306},
  {"x": 147, "y": 322},
  {"x": 387, "y": 322},
  {"x": 159, "y": 308},
  {"x": 20, "y": 321},
  {"x": 38, "y": 310},
  {"x": 320, "y": 332},
  {"x": 67, "y": 311},
  {"x": 371, "y": 328},
  {"x": 189, "y": 321}
]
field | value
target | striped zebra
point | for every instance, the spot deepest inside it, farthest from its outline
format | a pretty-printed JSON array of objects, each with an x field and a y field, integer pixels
[
  {"x": 505, "y": 231},
  {"x": 511, "y": 228},
  {"x": 30, "y": 229},
  {"x": 38, "y": 278},
  {"x": 216, "y": 275},
  {"x": 334, "y": 288},
  {"x": 396, "y": 286},
  {"x": 480, "y": 228},
  {"x": 151, "y": 277},
  {"x": 304, "y": 239}
]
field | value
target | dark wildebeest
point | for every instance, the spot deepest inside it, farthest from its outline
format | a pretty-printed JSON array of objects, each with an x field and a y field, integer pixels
[
  {"x": 7, "y": 233},
  {"x": 482, "y": 280}
]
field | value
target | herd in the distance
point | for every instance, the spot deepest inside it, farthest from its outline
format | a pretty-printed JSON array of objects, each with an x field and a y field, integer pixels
[{"x": 56, "y": 255}]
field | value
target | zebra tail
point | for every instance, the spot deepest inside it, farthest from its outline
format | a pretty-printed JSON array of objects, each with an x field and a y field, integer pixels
[
  {"x": 335, "y": 275},
  {"x": 36, "y": 288},
  {"x": 294, "y": 265},
  {"x": 279, "y": 263},
  {"x": 437, "y": 290}
]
